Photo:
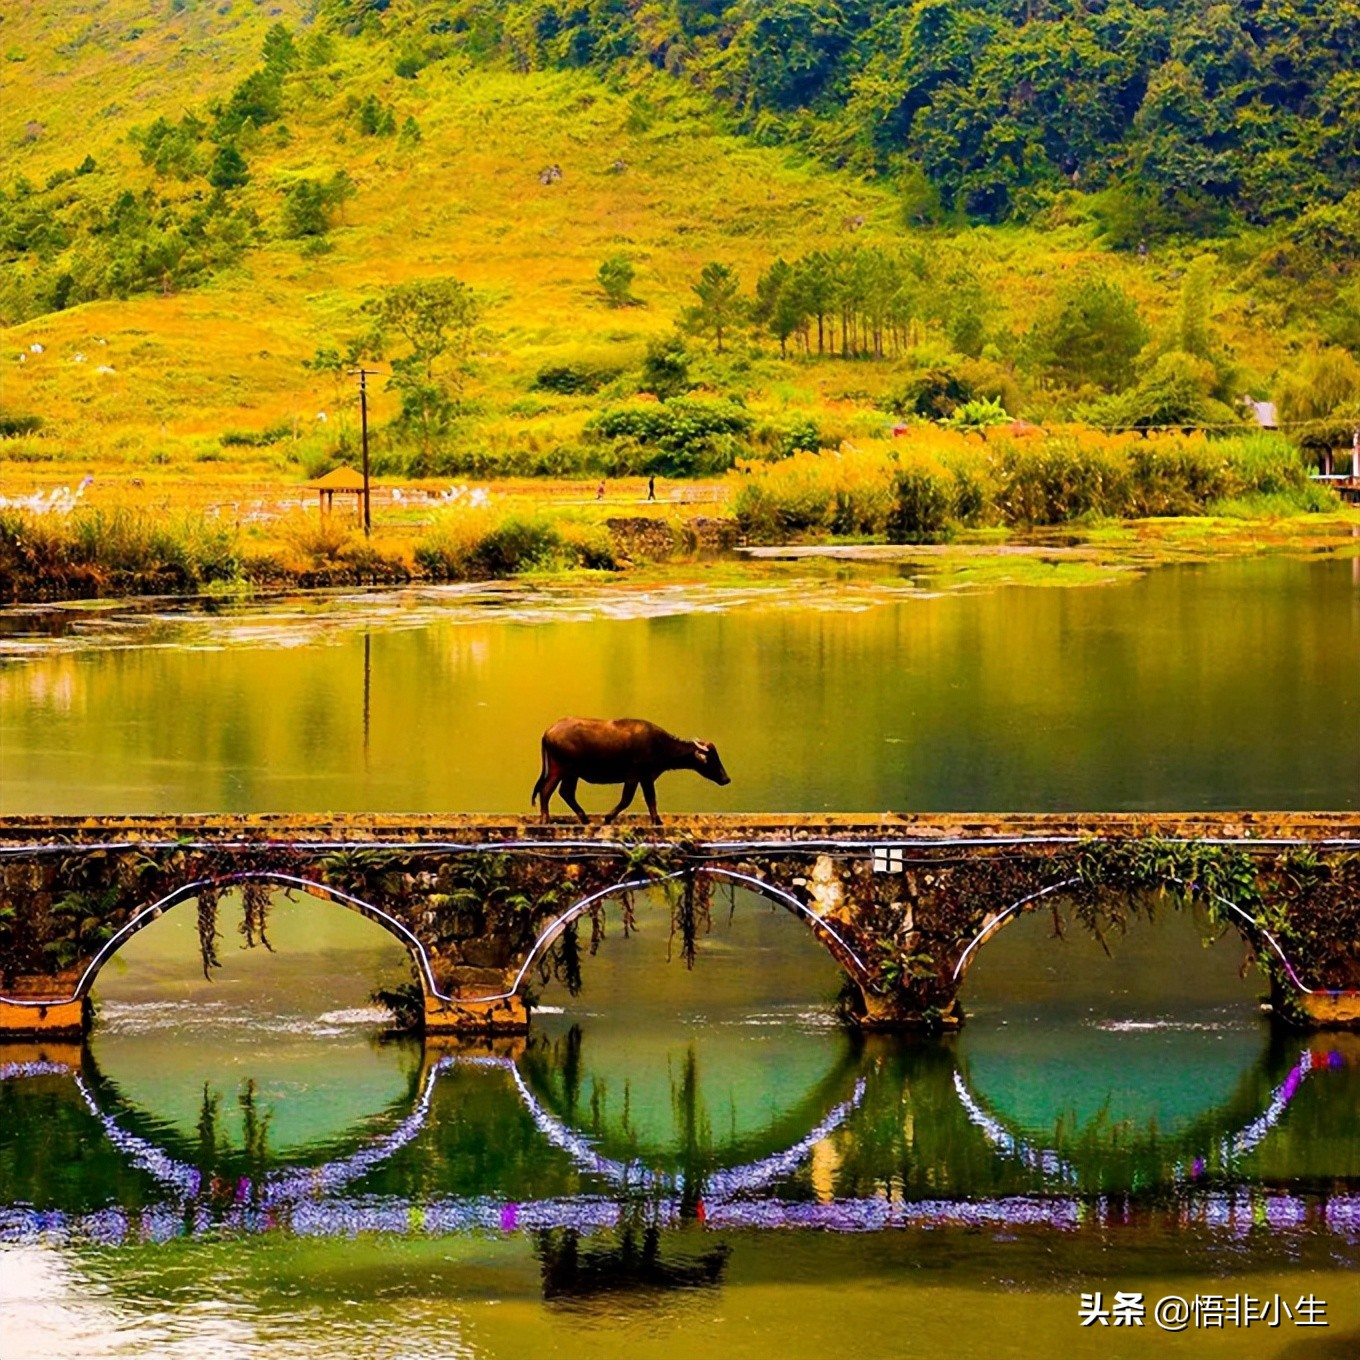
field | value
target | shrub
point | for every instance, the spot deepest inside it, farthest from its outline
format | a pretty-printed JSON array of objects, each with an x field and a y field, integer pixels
[
  {"x": 475, "y": 542},
  {"x": 588, "y": 545},
  {"x": 980, "y": 413},
  {"x": 781, "y": 438},
  {"x": 934, "y": 393},
  {"x": 1174, "y": 391},
  {"x": 847, "y": 491},
  {"x": 1175, "y": 478},
  {"x": 305, "y": 209},
  {"x": 573, "y": 378},
  {"x": 665, "y": 370},
  {"x": 256, "y": 439},
  {"x": 93, "y": 549},
  {"x": 406, "y": 1001},
  {"x": 922, "y": 487},
  {"x": 1059, "y": 478},
  {"x": 320, "y": 540},
  {"x": 517, "y": 543},
  {"x": 317, "y": 459},
  {"x": 14, "y": 425},
  {"x": 923, "y": 505},
  {"x": 229, "y": 169},
  {"x": 686, "y": 437},
  {"x": 616, "y": 278}
]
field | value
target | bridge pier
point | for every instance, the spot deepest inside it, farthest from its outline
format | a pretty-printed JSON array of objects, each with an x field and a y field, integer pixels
[
  {"x": 896, "y": 1012},
  {"x": 1323, "y": 1010},
  {"x": 42, "y": 1008},
  {"x": 508, "y": 1015}
]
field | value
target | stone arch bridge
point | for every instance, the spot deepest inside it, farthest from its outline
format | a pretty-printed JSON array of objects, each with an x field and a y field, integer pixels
[{"x": 486, "y": 904}]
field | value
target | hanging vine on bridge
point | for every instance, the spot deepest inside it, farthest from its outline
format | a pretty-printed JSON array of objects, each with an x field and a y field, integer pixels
[
  {"x": 207, "y": 929},
  {"x": 563, "y": 960},
  {"x": 255, "y": 902},
  {"x": 691, "y": 910}
]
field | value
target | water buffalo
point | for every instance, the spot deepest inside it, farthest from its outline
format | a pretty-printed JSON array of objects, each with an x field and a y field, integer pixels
[{"x": 625, "y": 751}]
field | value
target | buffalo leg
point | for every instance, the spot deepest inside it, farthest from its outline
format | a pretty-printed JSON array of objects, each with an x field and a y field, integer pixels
[
  {"x": 649, "y": 793},
  {"x": 554, "y": 778},
  {"x": 568, "y": 792},
  {"x": 629, "y": 792}
]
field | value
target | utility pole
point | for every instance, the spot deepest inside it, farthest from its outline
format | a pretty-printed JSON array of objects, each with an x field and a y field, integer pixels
[{"x": 363, "y": 375}]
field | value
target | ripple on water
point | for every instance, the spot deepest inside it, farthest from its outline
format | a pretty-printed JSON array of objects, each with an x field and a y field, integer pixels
[
  {"x": 138, "y": 1017},
  {"x": 316, "y": 620},
  {"x": 819, "y": 1019}
]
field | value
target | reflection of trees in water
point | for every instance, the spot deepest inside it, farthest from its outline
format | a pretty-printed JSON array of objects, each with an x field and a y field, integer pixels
[
  {"x": 212, "y": 1148},
  {"x": 476, "y": 1133},
  {"x": 556, "y": 1071},
  {"x": 251, "y": 1163},
  {"x": 921, "y": 1131},
  {"x": 695, "y": 1154},
  {"x": 228, "y": 1158},
  {"x": 631, "y": 1257}
]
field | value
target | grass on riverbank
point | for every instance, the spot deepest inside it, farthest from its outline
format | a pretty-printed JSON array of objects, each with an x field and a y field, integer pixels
[
  {"x": 118, "y": 550},
  {"x": 938, "y": 482},
  {"x": 125, "y": 549},
  {"x": 1132, "y": 501}
]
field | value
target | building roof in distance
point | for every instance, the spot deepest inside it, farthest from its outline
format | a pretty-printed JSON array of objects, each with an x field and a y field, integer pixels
[{"x": 339, "y": 479}]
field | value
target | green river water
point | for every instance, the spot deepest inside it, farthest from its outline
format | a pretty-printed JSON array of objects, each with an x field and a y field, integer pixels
[{"x": 688, "y": 1163}]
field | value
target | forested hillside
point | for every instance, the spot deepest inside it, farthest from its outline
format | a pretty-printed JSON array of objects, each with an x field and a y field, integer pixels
[
  {"x": 1187, "y": 112},
  {"x": 791, "y": 221}
]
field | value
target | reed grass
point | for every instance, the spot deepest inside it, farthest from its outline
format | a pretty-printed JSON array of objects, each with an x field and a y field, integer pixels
[
  {"x": 926, "y": 486},
  {"x": 479, "y": 542},
  {"x": 119, "y": 549}
]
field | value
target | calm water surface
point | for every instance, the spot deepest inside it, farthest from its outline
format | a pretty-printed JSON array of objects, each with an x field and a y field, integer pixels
[
  {"x": 687, "y": 1163},
  {"x": 1192, "y": 687}
]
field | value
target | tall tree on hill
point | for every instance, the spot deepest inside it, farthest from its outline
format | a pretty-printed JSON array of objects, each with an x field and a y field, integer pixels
[
  {"x": 228, "y": 170},
  {"x": 437, "y": 319},
  {"x": 720, "y": 306},
  {"x": 1092, "y": 335},
  {"x": 818, "y": 290},
  {"x": 616, "y": 278},
  {"x": 779, "y": 304},
  {"x": 279, "y": 53}
]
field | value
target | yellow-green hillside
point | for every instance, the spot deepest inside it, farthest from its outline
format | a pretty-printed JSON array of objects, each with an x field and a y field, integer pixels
[{"x": 647, "y": 171}]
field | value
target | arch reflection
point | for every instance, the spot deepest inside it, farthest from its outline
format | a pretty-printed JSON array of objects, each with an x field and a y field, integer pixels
[
  {"x": 1215, "y": 1145},
  {"x": 900, "y": 1139}
]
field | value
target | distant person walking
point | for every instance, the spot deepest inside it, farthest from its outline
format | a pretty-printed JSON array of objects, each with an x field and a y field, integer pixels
[
  {"x": 599, "y": 492},
  {"x": 651, "y": 488}
]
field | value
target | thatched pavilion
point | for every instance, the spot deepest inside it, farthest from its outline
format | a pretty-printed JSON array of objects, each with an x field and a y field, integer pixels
[{"x": 344, "y": 481}]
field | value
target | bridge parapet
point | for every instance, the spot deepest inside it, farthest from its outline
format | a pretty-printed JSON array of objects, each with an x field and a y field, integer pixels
[{"x": 902, "y": 902}]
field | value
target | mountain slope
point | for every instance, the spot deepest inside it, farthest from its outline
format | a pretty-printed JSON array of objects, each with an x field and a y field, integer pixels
[{"x": 216, "y": 343}]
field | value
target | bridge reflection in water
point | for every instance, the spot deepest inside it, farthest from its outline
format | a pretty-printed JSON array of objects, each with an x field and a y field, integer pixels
[{"x": 884, "y": 1134}]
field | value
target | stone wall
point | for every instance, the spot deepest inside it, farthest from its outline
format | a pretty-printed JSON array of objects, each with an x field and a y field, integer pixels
[{"x": 657, "y": 539}]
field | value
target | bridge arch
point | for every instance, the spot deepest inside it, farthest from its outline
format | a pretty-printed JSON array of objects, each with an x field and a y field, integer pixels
[
  {"x": 1256, "y": 935},
  {"x": 822, "y": 929},
  {"x": 190, "y": 891}
]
